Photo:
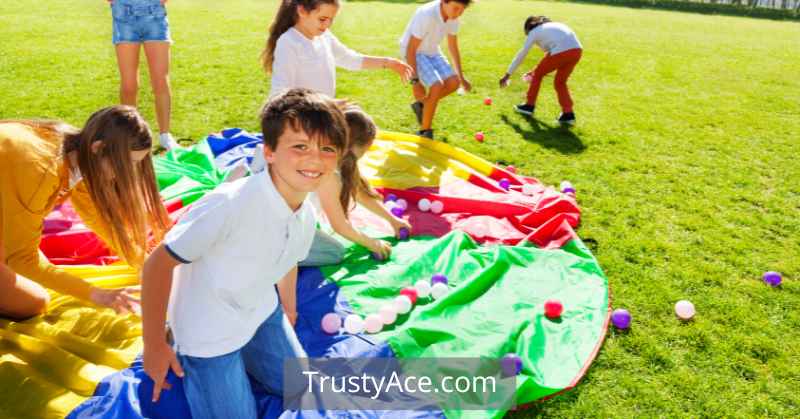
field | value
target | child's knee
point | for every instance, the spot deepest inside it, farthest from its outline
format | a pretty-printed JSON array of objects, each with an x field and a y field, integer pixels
[{"x": 451, "y": 84}]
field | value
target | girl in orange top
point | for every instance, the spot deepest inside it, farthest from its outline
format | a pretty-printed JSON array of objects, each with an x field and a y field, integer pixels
[{"x": 106, "y": 170}]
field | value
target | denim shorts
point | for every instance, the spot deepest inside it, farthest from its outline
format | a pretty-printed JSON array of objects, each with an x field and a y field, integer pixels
[
  {"x": 432, "y": 69},
  {"x": 137, "y": 21}
]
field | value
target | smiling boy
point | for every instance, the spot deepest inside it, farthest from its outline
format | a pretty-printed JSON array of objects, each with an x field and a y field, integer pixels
[{"x": 228, "y": 252}]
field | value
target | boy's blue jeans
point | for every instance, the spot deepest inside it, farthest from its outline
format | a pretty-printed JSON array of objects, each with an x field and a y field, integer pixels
[{"x": 218, "y": 387}]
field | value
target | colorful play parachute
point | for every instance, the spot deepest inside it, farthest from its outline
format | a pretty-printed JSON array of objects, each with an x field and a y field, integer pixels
[{"x": 505, "y": 253}]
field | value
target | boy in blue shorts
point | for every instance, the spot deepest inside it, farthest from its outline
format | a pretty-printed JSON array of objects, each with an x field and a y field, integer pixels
[
  {"x": 434, "y": 78},
  {"x": 228, "y": 252}
]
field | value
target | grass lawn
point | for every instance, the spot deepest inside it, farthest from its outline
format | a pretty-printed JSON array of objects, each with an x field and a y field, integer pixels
[{"x": 685, "y": 161}]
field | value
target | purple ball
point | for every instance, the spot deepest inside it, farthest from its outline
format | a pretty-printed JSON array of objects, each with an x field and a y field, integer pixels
[
  {"x": 568, "y": 189},
  {"x": 331, "y": 323},
  {"x": 505, "y": 183},
  {"x": 377, "y": 256},
  {"x": 772, "y": 278},
  {"x": 390, "y": 197},
  {"x": 403, "y": 233},
  {"x": 511, "y": 364},
  {"x": 439, "y": 277},
  {"x": 397, "y": 211},
  {"x": 621, "y": 318}
]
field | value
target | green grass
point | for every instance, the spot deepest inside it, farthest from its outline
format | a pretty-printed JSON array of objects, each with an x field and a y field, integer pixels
[{"x": 685, "y": 160}]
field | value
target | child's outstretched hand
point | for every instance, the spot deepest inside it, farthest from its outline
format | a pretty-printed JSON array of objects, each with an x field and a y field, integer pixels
[
  {"x": 505, "y": 81},
  {"x": 380, "y": 247},
  {"x": 398, "y": 224},
  {"x": 158, "y": 359},
  {"x": 402, "y": 69}
]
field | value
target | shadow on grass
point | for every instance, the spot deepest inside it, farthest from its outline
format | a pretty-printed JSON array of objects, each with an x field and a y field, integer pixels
[{"x": 555, "y": 137}]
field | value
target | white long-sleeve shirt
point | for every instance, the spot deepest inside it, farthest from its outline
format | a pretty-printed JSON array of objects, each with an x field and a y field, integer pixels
[
  {"x": 310, "y": 63},
  {"x": 550, "y": 37}
]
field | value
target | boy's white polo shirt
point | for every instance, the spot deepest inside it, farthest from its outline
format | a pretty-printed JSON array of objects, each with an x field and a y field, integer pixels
[
  {"x": 428, "y": 25},
  {"x": 235, "y": 243}
]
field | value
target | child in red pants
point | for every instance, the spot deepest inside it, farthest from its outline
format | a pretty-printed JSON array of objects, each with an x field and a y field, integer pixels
[{"x": 562, "y": 53}]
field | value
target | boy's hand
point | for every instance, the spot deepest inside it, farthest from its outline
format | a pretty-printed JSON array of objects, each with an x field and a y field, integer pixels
[
  {"x": 158, "y": 359},
  {"x": 398, "y": 224},
  {"x": 466, "y": 84},
  {"x": 381, "y": 247},
  {"x": 121, "y": 300},
  {"x": 505, "y": 81}
]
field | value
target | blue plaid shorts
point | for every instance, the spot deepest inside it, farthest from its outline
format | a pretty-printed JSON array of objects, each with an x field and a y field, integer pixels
[{"x": 432, "y": 69}]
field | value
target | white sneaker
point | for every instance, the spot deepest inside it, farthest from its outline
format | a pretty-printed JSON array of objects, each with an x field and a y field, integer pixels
[{"x": 167, "y": 141}]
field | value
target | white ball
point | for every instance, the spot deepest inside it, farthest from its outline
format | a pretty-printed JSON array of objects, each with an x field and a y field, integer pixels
[
  {"x": 402, "y": 304},
  {"x": 424, "y": 204},
  {"x": 373, "y": 323},
  {"x": 402, "y": 203},
  {"x": 437, "y": 207},
  {"x": 390, "y": 204},
  {"x": 528, "y": 189},
  {"x": 684, "y": 309},
  {"x": 388, "y": 314},
  {"x": 565, "y": 184},
  {"x": 439, "y": 290},
  {"x": 353, "y": 324},
  {"x": 423, "y": 288}
]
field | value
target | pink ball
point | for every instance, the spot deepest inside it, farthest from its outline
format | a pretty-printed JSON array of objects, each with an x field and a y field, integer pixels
[
  {"x": 331, "y": 323},
  {"x": 373, "y": 323},
  {"x": 437, "y": 207},
  {"x": 553, "y": 309},
  {"x": 511, "y": 169},
  {"x": 487, "y": 101},
  {"x": 411, "y": 293},
  {"x": 479, "y": 136}
]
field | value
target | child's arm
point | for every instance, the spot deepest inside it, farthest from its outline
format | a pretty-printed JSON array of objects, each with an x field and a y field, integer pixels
[
  {"x": 378, "y": 209},
  {"x": 158, "y": 356},
  {"x": 404, "y": 70},
  {"x": 329, "y": 198},
  {"x": 287, "y": 289},
  {"x": 455, "y": 54},
  {"x": 521, "y": 54}
]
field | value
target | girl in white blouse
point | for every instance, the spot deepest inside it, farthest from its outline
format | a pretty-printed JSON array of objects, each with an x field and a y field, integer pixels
[{"x": 302, "y": 52}]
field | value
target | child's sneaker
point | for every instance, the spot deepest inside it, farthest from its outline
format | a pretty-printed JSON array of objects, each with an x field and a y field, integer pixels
[
  {"x": 167, "y": 141},
  {"x": 427, "y": 133},
  {"x": 567, "y": 118},
  {"x": 417, "y": 108},
  {"x": 524, "y": 109}
]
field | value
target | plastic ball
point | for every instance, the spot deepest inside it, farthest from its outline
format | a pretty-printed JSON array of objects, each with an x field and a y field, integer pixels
[
  {"x": 527, "y": 78},
  {"x": 424, "y": 204},
  {"x": 353, "y": 324},
  {"x": 553, "y": 309},
  {"x": 391, "y": 197},
  {"x": 568, "y": 191},
  {"x": 373, "y": 323},
  {"x": 487, "y": 101},
  {"x": 402, "y": 203},
  {"x": 437, "y": 207},
  {"x": 331, "y": 323},
  {"x": 511, "y": 364},
  {"x": 437, "y": 278},
  {"x": 504, "y": 183},
  {"x": 684, "y": 310},
  {"x": 377, "y": 256},
  {"x": 439, "y": 290},
  {"x": 397, "y": 211},
  {"x": 511, "y": 169},
  {"x": 565, "y": 184},
  {"x": 387, "y": 313},
  {"x": 772, "y": 278},
  {"x": 479, "y": 136},
  {"x": 423, "y": 288},
  {"x": 411, "y": 293},
  {"x": 528, "y": 189},
  {"x": 403, "y": 233},
  {"x": 621, "y": 318},
  {"x": 402, "y": 304}
]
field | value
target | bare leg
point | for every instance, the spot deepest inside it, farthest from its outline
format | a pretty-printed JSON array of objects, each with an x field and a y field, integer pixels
[
  {"x": 435, "y": 94},
  {"x": 128, "y": 62},
  {"x": 158, "y": 62}
]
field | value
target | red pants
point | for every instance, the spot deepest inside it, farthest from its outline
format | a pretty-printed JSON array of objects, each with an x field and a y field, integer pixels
[{"x": 562, "y": 63}]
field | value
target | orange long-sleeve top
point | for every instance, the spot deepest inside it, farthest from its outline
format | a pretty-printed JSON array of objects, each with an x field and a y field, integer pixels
[{"x": 33, "y": 180}]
